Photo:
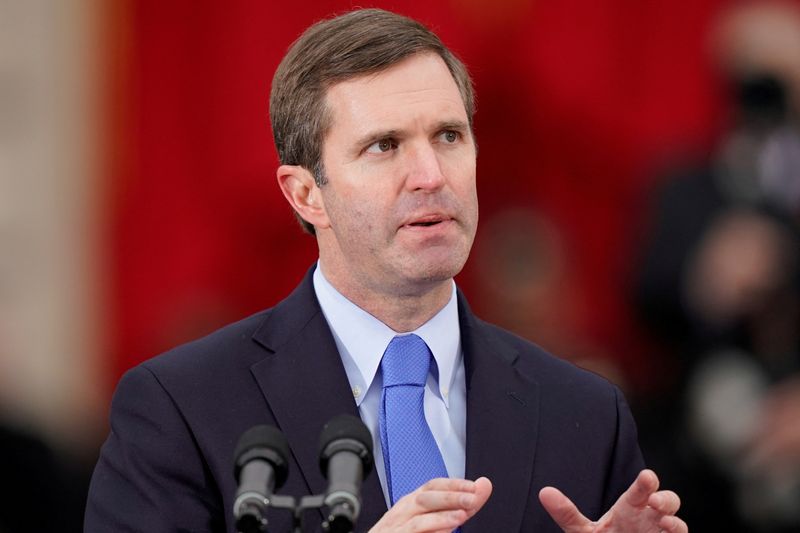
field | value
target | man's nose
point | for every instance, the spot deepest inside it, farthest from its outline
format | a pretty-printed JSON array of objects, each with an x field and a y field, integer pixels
[{"x": 424, "y": 169}]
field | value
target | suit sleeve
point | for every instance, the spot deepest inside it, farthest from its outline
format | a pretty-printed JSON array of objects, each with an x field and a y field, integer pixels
[
  {"x": 151, "y": 476},
  {"x": 626, "y": 459}
]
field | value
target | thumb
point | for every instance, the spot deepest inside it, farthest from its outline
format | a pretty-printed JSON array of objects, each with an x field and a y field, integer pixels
[{"x": 563, "y": 511}]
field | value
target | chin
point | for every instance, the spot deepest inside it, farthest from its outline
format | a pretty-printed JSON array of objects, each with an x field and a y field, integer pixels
[{"x": 438, "y": 269}]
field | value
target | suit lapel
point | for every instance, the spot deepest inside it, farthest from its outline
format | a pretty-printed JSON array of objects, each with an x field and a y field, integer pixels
[
  {"x": 305, "y": 385},
  {"x": 502, "y": 421}
]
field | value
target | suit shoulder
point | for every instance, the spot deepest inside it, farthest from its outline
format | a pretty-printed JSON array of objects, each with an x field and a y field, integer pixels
[
  {"x": 229, "y": 346},
  {"x": 206, "y": 379}
]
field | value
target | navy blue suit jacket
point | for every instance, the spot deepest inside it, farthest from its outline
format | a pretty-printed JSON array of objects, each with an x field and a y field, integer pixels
[{"x": 532, "y": 420}]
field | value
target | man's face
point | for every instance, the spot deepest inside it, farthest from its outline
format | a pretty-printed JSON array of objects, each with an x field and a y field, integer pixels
[{"x": 400, "y": 163}]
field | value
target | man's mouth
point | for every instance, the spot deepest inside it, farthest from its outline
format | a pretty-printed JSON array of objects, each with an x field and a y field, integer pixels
[
  {"x": 427, "y": 221},
  {"x": 425, "y": 224}
]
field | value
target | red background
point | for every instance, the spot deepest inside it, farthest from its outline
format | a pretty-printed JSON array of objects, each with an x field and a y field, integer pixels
[{"x": 578, "y": 101}]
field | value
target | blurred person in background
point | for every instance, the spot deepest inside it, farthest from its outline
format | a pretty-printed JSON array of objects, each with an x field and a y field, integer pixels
[
  {"x": 40, "y": 489},
  {"x": 720, "y": 285},
  {"x": 523, "y": 283}
]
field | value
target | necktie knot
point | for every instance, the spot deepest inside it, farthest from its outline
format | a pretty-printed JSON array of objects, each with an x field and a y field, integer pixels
[{"x": 406, "y": 361}]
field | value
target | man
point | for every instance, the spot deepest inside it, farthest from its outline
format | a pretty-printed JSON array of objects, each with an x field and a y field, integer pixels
[{"x": 372, "y": 118}]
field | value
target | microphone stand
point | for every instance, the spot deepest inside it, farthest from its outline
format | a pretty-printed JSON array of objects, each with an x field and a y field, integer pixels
[
  {"x": 298, "y": 509},
  {"x": 345, "y": 458}
]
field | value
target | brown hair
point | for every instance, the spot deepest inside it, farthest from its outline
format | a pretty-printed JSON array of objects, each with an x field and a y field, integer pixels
[{"x": 354, "y": 44}]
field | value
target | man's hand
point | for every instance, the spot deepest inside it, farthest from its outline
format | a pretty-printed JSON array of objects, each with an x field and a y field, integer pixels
[
  {"x": 640, "y": 509},
  {"x": 440, "y": 505}
]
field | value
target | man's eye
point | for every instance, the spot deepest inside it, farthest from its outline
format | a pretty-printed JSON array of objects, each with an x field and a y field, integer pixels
[
  {"x": 449, "y": 136},
  {"x": 384, "y": 145}
]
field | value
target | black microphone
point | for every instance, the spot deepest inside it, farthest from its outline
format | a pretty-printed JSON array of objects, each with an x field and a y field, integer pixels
[
  {"x": 260, "y": 467},
  {"x": 345, "y": 458}
]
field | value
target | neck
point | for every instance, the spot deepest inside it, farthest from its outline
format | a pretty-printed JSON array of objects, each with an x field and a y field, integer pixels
[{"x": 403, "y": 309}]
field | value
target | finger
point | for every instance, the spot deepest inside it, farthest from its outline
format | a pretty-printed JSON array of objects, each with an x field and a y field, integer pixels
[
  {"x": 451, "y": 484},
  {"x": 483, "y": 489},
  {"x": 639, "y": 492},
  {"x": 445, "y": 521},
  {"x": 665, "y": 502},
  {"x": 673, "y": 524},
  {"x": 408, "y": 515},
  {"x": 562, "y": 510},
  {"x": 471, "y": 499},
  {"x": 441, "y": 493},
  {"x": 437, "y": 500},
  {"x": 431, "y": 509},
  {"x": 439, "y": 496}
]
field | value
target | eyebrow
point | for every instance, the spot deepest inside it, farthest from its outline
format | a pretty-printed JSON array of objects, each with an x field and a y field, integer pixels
[
  {"x": 375, "y": 136},
  {"x": 458, "y": 125}
]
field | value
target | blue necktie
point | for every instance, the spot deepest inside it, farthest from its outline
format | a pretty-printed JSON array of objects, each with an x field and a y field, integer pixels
[{"x": 410, "y": 453}]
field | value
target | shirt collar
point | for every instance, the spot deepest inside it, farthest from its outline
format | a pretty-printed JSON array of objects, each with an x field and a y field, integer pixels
[{"x": 362, "y": 338}]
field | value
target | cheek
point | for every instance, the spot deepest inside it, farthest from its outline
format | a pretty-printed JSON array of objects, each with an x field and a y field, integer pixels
[
  {"x": 465, "y": 189},
  {"x": 461, "y": 172},
  {"x": 368, "y": 206},
  {"x": 356, "y": 221}
]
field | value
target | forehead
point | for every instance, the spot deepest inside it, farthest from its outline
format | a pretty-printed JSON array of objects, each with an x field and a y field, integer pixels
[{"x": 418, "y": 88}]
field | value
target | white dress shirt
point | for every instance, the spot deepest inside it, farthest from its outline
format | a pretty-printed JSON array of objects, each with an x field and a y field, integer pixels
[{"x": 361, "y": 340}]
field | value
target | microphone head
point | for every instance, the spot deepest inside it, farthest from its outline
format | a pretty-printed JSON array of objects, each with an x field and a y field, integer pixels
[
  {"x": 266, "y": 443},
  {"x": 345, "y": 432}
]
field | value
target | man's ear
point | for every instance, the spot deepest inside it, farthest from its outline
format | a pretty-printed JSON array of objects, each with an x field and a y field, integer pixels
[{"x": 301, "y": 191}]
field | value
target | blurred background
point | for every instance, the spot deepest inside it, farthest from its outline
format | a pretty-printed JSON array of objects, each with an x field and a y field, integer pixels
[{"x": 639, "y": 179}]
